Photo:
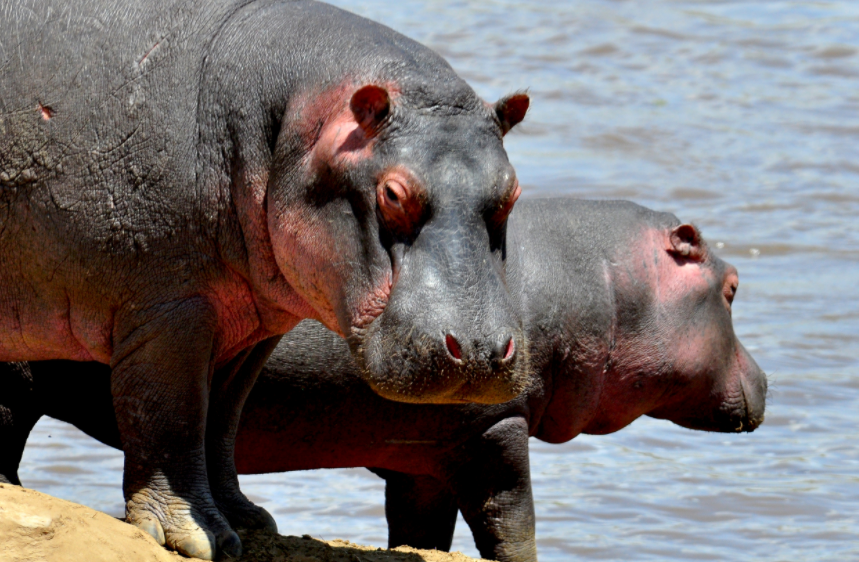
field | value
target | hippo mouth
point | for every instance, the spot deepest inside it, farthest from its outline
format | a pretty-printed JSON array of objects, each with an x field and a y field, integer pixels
[
  {"x": 745, "y": 417},
  {"x": 409, "y": 367},
  {"x": 741, "y": 410}
]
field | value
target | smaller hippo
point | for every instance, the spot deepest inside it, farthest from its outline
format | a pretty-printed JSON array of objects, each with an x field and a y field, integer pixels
[{"x": 627, "y": 313}]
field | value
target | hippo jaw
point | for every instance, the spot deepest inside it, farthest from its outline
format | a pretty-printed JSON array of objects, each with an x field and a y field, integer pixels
[{"x": 743, "y": 400}]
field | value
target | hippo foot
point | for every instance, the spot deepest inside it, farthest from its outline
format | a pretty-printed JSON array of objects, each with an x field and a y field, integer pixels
[
  {"x": 242, "y": 514},
  {"x": 180, "y": 530}
]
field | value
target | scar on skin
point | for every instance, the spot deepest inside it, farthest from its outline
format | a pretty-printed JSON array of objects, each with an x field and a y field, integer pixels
[
  {"x": 46, "y": 111},
  {"x": 147, "y": 53}
]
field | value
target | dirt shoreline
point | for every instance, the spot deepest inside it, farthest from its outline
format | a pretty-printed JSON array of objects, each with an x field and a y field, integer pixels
[{"x": 38, "y": 527}]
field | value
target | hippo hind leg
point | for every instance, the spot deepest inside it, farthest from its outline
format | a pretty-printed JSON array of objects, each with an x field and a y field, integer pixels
[
  {"x": 421, "y": 511},
  {"x": 492, "y": 485},
  {"x": 19, "y": 412}
]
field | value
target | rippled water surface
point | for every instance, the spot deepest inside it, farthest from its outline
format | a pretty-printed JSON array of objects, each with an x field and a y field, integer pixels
[{"x": 740, "y": 116}]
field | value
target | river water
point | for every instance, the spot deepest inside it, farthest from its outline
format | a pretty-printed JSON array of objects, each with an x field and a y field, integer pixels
[{"x": 742, "y": 117}]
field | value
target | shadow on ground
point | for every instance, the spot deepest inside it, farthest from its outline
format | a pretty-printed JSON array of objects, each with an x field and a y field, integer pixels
[{"x": 267, "y": 547}]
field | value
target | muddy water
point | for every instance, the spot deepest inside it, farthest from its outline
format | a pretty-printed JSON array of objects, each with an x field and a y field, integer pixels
[{"x": 740, "y": 116}]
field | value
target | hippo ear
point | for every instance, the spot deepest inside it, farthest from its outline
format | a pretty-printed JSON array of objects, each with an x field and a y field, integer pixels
[
  {"x": 511, "y": 110},
  {"x": 686, "y": 241},
  {"x": 370, "y": 105}
]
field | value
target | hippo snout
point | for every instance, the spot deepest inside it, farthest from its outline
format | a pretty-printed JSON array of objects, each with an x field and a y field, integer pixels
[
  {"x": 447, "y": 367},
  {"x": 754, "y": 392},
  {"x": 744, "y": 401},
  {"x": 451, "y": 331}
]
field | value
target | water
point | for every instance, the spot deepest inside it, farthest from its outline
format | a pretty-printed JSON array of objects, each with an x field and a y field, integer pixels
[{"x": 740, "y": 116}]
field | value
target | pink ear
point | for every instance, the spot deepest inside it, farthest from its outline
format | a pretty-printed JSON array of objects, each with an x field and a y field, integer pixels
[
  {"x": 370, "y": 105},
  {"x": 686, "y": 241},
  {"x": 511, "y": 110}
]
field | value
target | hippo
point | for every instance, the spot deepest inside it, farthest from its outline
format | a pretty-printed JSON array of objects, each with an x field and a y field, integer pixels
[
  {"x": 627, "y": 313},
  {"x": 182, "y": 182}
]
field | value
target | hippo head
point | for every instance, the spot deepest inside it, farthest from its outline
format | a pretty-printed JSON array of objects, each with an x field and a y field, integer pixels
[
  {"x": 392, "y": 227},
  {"x": 677, "y": 356}
]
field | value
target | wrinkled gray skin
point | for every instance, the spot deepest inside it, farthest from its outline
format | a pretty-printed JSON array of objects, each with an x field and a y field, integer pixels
[
  {"x": 182, "y": 182},
  {"x": 620, "y": 324}
]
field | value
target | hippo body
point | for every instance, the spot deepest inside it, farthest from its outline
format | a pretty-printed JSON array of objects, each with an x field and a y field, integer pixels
[
  {"x": 181, "y": 182},
  {"x": 626, "y": 313}
]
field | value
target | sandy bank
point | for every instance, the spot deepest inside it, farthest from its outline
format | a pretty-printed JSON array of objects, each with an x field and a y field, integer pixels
[{"x": 35, "y": 527}]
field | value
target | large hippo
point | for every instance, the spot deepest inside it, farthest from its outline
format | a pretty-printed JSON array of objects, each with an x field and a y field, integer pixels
[
  {"x": 627, "y": 313},
  {"x": 183, "y": 181}
]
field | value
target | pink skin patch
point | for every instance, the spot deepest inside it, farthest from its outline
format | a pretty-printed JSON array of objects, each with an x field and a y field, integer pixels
[
  {"x": 239, "y": 318},
  {"x": 306, "y": 241},
  {"x": 672, "y": 362},
  {"x": 45, "y": 111},
  {"x": 373, "y": 305},
  {"x": 329, "y": 128},
  {"x": 312, "y": 258},
  {"x": 343, "y": 143}
]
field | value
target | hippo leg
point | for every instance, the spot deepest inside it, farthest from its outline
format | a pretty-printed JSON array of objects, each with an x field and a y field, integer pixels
[
  {"x": 421, "y": 511},
  {"x": 493, "y": 490},
  {"x": 19, "y": 412},
  {"x": 230, "y": 388},
  {"x": 160, "y": 386}
]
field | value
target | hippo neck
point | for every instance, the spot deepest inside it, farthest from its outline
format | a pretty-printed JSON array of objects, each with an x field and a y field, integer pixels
[
  {"x": 577, "y": 378},
  {"x": 559, "y": 263},
  {"x": 570, "y": 262}
]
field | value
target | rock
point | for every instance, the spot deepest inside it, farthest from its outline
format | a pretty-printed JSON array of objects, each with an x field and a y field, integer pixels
[{"x": 36, "y": 527}]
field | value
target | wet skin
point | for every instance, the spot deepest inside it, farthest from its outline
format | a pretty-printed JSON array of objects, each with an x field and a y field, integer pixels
[
  {"x": 182, "y": 183},
  {"x": 627, "y": 313}
]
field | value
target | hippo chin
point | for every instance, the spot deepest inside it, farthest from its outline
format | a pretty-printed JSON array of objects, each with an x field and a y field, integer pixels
[
  {"x": 182, "y": 182},
  {"x": 627, "y": 313}
]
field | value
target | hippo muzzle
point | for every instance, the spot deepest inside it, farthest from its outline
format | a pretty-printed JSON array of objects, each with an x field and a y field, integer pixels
[{"x": 450, "y": 332}]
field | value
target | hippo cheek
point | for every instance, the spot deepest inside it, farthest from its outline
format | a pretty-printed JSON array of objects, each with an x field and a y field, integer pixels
[{"x": 333, "y": 261}]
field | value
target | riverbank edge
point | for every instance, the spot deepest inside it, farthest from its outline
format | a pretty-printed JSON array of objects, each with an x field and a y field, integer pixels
[{"x": 36, "y": 526}]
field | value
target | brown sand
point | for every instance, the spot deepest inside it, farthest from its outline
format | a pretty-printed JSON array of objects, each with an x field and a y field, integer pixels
[{"x": 35, "y": 527}]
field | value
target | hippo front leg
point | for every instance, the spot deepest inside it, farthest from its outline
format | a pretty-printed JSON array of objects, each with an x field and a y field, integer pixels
[
  {"x": 19, "y": 412},
  {"x": 493, "y": 490},
  {"x": 421, "y": 511},
  {"x": 230, "y": 388},
  {"x": 160, "y": 386}
]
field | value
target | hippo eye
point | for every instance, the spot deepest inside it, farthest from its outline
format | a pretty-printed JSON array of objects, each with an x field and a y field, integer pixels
[
  {"x": 504, "y": 210},
  {"x": 389, "y": 193},
  {"x": 400, "y": 205}
]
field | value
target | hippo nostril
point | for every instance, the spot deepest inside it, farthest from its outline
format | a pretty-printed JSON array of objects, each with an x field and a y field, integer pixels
[
  {"x": 504, "y": 349},
  {"x": 453, "y": 347},
  {"x": 511, "y": 349}
]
